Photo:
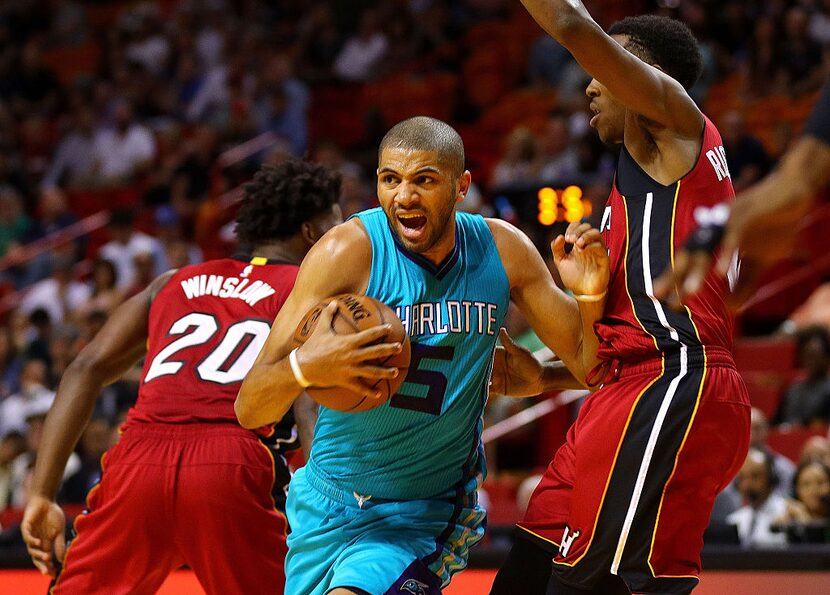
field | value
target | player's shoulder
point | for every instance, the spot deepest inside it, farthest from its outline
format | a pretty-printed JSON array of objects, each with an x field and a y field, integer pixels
[
  {"x": 506, "y": 234},
  {"x": 341, "y": 245}
]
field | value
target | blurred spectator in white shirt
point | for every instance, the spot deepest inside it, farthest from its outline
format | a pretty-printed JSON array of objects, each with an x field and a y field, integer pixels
[
  {"x": 362, "y": 51},
  {"x": 123, "y": 151},
  {"x": 756, "y": 483},
  {"x": 125, "y": 244}
]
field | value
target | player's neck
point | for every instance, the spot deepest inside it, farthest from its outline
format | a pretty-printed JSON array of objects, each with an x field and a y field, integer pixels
[{"x": 288, "y": 251}]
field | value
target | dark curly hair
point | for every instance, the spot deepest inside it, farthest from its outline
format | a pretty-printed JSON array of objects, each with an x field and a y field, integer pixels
[
  {"x": 281, "y": 198},
  {"x": 665, "y": 42}
]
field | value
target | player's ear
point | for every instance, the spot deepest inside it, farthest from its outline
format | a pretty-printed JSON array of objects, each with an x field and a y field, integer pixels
[
  {"x": 463, "y": 185},
  {"x": 309, "y": 234}
]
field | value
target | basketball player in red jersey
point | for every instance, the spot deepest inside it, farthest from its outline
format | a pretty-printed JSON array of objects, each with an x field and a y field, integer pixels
[
  {"x": 186, "y": 484},
  {"x": 624, "y": 504}
]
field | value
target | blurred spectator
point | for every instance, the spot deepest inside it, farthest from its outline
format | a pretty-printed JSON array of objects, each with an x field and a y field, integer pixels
[
  {"x": 59, "y": 294},
  {"x": 36, "y": 88},
  {"x": 96, "y": 439},
  {"x": 801, "y": 57},
  {"x": 10, "y": 364},
  {"x": 53, "y": 216},
  {"x": 807, "y": 515},
  {"x": 144, "y": 268},
  {"x": 763, "y": 74},
  {"x": 171, "y": 235},
  {"x": 14, "y": 409},
  {"x": 125, "y": 244},
  {"x": 149, "y": 47},
  {"x": 61, "y": 351},
  {"x": 362, "y": 51},
  {"x": 519, "y": 164},
  {"x": 73, "y": 164},
  {"x": 68, "y": 27},
  {"x": 319, "y": 42},
  {"x": 758, "y": 433},
  {"x": 23, "y": 464},
  {"x": 816, "y": 450},
  {"x": 548, "y": 61},
  {"x": 12, "y": 445},
  {"x": 746, "y": 157},
  {"x": 124, "y": 151},
  {"x": 807, "y": 401},
  {"x": 558, "y": 158},
  {"x": 14, "y": 223},
  {"x": 820, "y": 23},
  {"x": 763, "y": 506},
  {"x": 212, "y": 100},
  {"x": 104, "y": 295}
]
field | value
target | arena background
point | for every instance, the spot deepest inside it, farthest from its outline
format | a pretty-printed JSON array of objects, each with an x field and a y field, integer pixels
[{"x": 202, "y": 92}]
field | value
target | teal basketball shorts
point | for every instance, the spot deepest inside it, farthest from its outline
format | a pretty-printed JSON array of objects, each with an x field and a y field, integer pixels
[{"x": 375, "y": 546}]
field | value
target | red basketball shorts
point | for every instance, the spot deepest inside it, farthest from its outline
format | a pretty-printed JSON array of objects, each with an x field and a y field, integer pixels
[
  {"x": 631, "y": 490},
  {"x": 196, "y": 494}
]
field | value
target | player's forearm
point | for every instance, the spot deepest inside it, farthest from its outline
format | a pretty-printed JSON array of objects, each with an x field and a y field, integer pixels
[
  {"x": 562, "y": 19},
  {"x": 557, "y": 376},
  {"x": 64, "y": 425},
  {"x": 590, "y": 313},
  {"x": 267, "y": 393}
]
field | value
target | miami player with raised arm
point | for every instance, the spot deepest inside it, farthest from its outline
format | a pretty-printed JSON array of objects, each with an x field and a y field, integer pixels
[
  {"x": 623, "y": 506},
  {"x": 185, "y": 484},
  {"x": 387, "y": 501}
]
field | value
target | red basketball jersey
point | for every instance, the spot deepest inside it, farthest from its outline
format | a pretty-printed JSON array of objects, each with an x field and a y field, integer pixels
[
  {"x": 207, "y": 326},
  {"x": 643, "y": 224}
]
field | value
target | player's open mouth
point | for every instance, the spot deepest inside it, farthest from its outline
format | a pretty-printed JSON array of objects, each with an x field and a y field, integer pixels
[
  {"x": 412, "y": 225},
  {"x": 595, "y": 111}
]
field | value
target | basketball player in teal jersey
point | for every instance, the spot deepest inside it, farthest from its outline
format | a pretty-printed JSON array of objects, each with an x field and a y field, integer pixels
[{"x": 387, "y": 501}]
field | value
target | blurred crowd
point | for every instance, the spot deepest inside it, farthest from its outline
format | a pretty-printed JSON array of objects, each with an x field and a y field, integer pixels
[{"x": 155, "y": 112}]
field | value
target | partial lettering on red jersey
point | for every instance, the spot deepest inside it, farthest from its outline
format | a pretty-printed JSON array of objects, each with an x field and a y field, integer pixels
[
  {"x": 207, "y": 326},
  {"x": 644, "y": 222}
]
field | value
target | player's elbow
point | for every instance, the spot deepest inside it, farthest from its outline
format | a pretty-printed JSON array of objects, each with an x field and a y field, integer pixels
[
  {"x": 570, "y": 26},
  {"x": 245, "y": 415}
]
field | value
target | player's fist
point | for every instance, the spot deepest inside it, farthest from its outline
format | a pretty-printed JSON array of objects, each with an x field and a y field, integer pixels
[
  {"x": 43, "y": 529},
  {"x": 585, "y": 269}
]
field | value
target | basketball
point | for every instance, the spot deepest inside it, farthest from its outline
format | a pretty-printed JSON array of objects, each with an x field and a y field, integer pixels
[{"x": 354, "y": 314}]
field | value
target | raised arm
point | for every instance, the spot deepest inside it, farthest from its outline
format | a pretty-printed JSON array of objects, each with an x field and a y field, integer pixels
[
  {"x": 338, "y": 263},
  {"x": 562, "y": 323},
  {"x": 114, "y": 350},
  {"x": 641, "y": 87}
]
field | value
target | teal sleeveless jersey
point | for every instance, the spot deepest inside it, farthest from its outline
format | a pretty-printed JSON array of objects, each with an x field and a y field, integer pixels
[{"x": 425, "y": 441}]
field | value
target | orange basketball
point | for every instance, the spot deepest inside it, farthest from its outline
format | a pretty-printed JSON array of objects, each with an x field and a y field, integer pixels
[{"x": 354, "y": 314}]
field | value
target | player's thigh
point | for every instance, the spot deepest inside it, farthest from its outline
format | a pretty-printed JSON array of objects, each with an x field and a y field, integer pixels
[
  {"x": 713, "y": 452},
  {"x": 228, "y": 528},
  {"x": 126, "y": 520},
  {"x": 527, "y": 568}
]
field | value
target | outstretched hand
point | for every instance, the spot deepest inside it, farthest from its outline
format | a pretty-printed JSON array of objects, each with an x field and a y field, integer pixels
[
  {"x": 349, "y": 360},
  {"x": 762, "y": 230},
  {"x": 43, "y": 527},
  {"x": 516, "y": 372},
  {"x": 585, "y": 269}
]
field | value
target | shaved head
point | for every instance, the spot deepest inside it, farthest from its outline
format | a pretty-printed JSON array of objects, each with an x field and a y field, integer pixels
[{"x": 422, "y": 133}]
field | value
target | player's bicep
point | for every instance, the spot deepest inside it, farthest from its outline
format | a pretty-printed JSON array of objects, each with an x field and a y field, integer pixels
[
  {"x": 639, "y": 86},
  {"x": 551, "y": 314},
  {"x": 335, "y": 265}
]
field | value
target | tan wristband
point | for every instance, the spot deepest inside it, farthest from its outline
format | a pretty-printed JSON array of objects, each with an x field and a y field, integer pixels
[
  {"x": 295, "y": 368},
  {"x": 590, "y": 297}
]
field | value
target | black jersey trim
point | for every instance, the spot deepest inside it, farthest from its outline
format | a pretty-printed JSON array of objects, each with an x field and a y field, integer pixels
[{"x": 438, "y": 271}]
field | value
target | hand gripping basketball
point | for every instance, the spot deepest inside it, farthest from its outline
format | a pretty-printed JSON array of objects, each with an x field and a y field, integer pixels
[{"x": 354, "y": 352}]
